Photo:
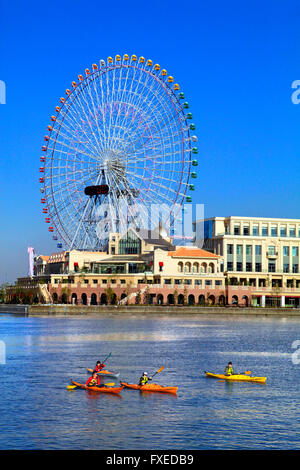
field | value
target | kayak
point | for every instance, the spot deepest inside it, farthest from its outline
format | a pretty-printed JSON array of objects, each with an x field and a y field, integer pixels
[
  {"x": 99, "y": 389},
  {"x": 237, "y": 377},
  {"x": 105, "y": 373},
  {"x": 150, "y": 388}
]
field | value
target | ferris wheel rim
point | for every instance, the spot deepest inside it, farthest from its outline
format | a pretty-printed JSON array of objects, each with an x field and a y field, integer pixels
[{"x": 181, "y": 187}]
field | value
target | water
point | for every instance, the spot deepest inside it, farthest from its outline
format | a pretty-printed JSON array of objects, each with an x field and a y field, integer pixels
[{"x": 43, "y": 354}]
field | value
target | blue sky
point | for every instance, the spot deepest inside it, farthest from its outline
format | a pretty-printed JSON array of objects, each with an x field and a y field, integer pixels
[{"x": 235, "y": 62}]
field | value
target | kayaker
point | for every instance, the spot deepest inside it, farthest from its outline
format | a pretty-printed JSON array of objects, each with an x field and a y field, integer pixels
[
  {"x": 144, "y": 379},
  {"x": 93, "y": 381},
  {"x": 229, "y": 369},
  {"x": 99, "y": 366}
]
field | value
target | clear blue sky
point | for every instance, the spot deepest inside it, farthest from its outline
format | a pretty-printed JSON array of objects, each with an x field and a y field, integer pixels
[{"x": 234, "y": 60}]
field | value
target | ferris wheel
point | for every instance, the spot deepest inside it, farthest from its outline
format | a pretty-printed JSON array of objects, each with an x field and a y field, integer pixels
[{"x": 120, "y": 142}]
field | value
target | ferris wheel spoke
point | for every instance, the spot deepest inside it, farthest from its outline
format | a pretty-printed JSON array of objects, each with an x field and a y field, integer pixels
[{"x": 123, "y": 126}]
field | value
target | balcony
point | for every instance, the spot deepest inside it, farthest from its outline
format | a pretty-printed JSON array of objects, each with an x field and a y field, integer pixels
[{"x": 272, "y": 254}]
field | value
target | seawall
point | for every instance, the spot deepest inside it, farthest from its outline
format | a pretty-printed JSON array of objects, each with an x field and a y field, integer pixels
[{"x": 53, "y": 309}]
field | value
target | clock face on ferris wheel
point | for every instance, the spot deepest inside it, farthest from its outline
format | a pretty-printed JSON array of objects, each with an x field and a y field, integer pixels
[{"x": 120, "y": 143}]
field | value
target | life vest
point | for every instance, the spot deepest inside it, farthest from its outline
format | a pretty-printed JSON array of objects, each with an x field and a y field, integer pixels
[
  {"x": 144, "y": 380},
  {"x": 229, "y": 371},
  {"x": 93, "y": 382}
]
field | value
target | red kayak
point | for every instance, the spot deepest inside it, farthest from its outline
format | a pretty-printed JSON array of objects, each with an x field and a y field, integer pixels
[
  {"x": 150, "y": 388},
  {"x": 99, "y": 389}
]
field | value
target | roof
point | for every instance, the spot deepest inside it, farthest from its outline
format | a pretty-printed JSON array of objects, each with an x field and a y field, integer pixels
[
  {"x": 192, "y": 252},
  {"x": 57, "y": 257},
  {"x": 43, "y": 257}
]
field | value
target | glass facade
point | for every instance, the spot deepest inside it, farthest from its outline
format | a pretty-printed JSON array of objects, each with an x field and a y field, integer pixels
[{"x": 130, "y": 245}]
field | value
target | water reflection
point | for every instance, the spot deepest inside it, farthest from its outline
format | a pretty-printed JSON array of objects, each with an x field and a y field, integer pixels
[{"x": 205, "y": 413}]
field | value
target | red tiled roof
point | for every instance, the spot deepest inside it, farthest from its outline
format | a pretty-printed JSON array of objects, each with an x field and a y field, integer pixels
[{"x": 191, "y": 253}]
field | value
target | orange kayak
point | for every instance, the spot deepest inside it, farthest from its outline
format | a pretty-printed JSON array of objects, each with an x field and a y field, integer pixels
[
  {"x": 104, "y": 373},
  {"x": 99, "y": 389},
  {"x": 150, "y": 388}
]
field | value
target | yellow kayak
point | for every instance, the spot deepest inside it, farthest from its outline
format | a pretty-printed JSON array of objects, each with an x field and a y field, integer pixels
[{"x": 237, "y": 377}]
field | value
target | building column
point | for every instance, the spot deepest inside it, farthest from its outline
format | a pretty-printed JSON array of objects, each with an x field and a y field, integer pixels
[
  {"x": 282, "y": 303},
  {"x": 263, "y": 300}
]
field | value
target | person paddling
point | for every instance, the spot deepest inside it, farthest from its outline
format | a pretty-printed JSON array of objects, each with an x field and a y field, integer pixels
[
  {"x": 144, "y": 379},
  {"x": 93, "y": 381},
  {"x": 99, "y": 366},
  {"x": 229, "y": 369}
]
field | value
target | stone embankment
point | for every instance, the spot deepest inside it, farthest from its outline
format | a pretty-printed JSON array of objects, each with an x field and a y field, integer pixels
[{"x": 54, "y": 309}]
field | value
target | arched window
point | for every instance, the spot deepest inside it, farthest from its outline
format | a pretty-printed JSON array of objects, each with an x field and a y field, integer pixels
[
  {"x": 203, "y": 267},
  {"x": 187, "y": 267},
  {"x": 195, "y": 267}
]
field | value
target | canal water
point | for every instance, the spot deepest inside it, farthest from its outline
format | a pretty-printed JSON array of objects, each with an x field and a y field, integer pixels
[{"x": 43, "y": 354}]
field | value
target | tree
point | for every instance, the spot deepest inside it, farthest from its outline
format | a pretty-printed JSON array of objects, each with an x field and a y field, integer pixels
[
  {"x": 138, "y": 297},
  {"x": 65, "y": 294},
  {"x": 3, "y": 293},
  {"x": 146, "y": 300}
]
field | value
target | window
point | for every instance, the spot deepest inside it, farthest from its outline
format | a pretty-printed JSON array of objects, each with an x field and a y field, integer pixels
[
  {"x": 239, "y": 249},
  {"x": 236, "y": 230},
  {"x": 248, "y": 267},
  {"x": 198, "y": 282},
  {"x": 188, "y": 282},
  {"x": 178, "y": 281},
  {"x": 246, "y": 230},
  {"x": 292, "y": 232},
  {"x": 264, "y": 231},
  {"x": 239, "y": 266},
  {"x": 258, "y": 250},
  {"x": 130, "y": 244},
  {"x": 274, "y": 231},
  {"x": 295, "y": 268},
  {"x": 255, "y": 231},
  {"x": 104, "y": 281},
  {"x": 286, "y": 251},
  {"x": 218, "y": 283},
  {"x": 283, "y": 231},
  {"x": 258, "y": 267},
  {"x": 229, "y": 266},
  {"x": 248, "y": 249},
  {"x": 122, "y": 281},
  {"x": 95, "y": 281},
  {"x": 86, "y": 281},
  {"x": 295, "y": 251},
  {"x": 229, "y": 249},
  {"x": 113, "y": 281},
  {"x": 286, "y": 268},
  {"x": 167, "y": 281},
  {"x": 208, "y": 283},
  {"x": 271, "y": 250},
  {"x": 271, "y": 267}
]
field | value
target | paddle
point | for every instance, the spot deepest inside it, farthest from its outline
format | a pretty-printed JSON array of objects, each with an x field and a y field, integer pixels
[
  {"x": 159, "y": 370},
  {"x": 106, "y": 358}
]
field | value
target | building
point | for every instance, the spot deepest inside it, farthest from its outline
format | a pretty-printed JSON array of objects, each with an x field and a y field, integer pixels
[
  {"x": 136, "y": 268},
  {"x": 261, "y": 254},
  {"x": 244, "y": 261}
]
